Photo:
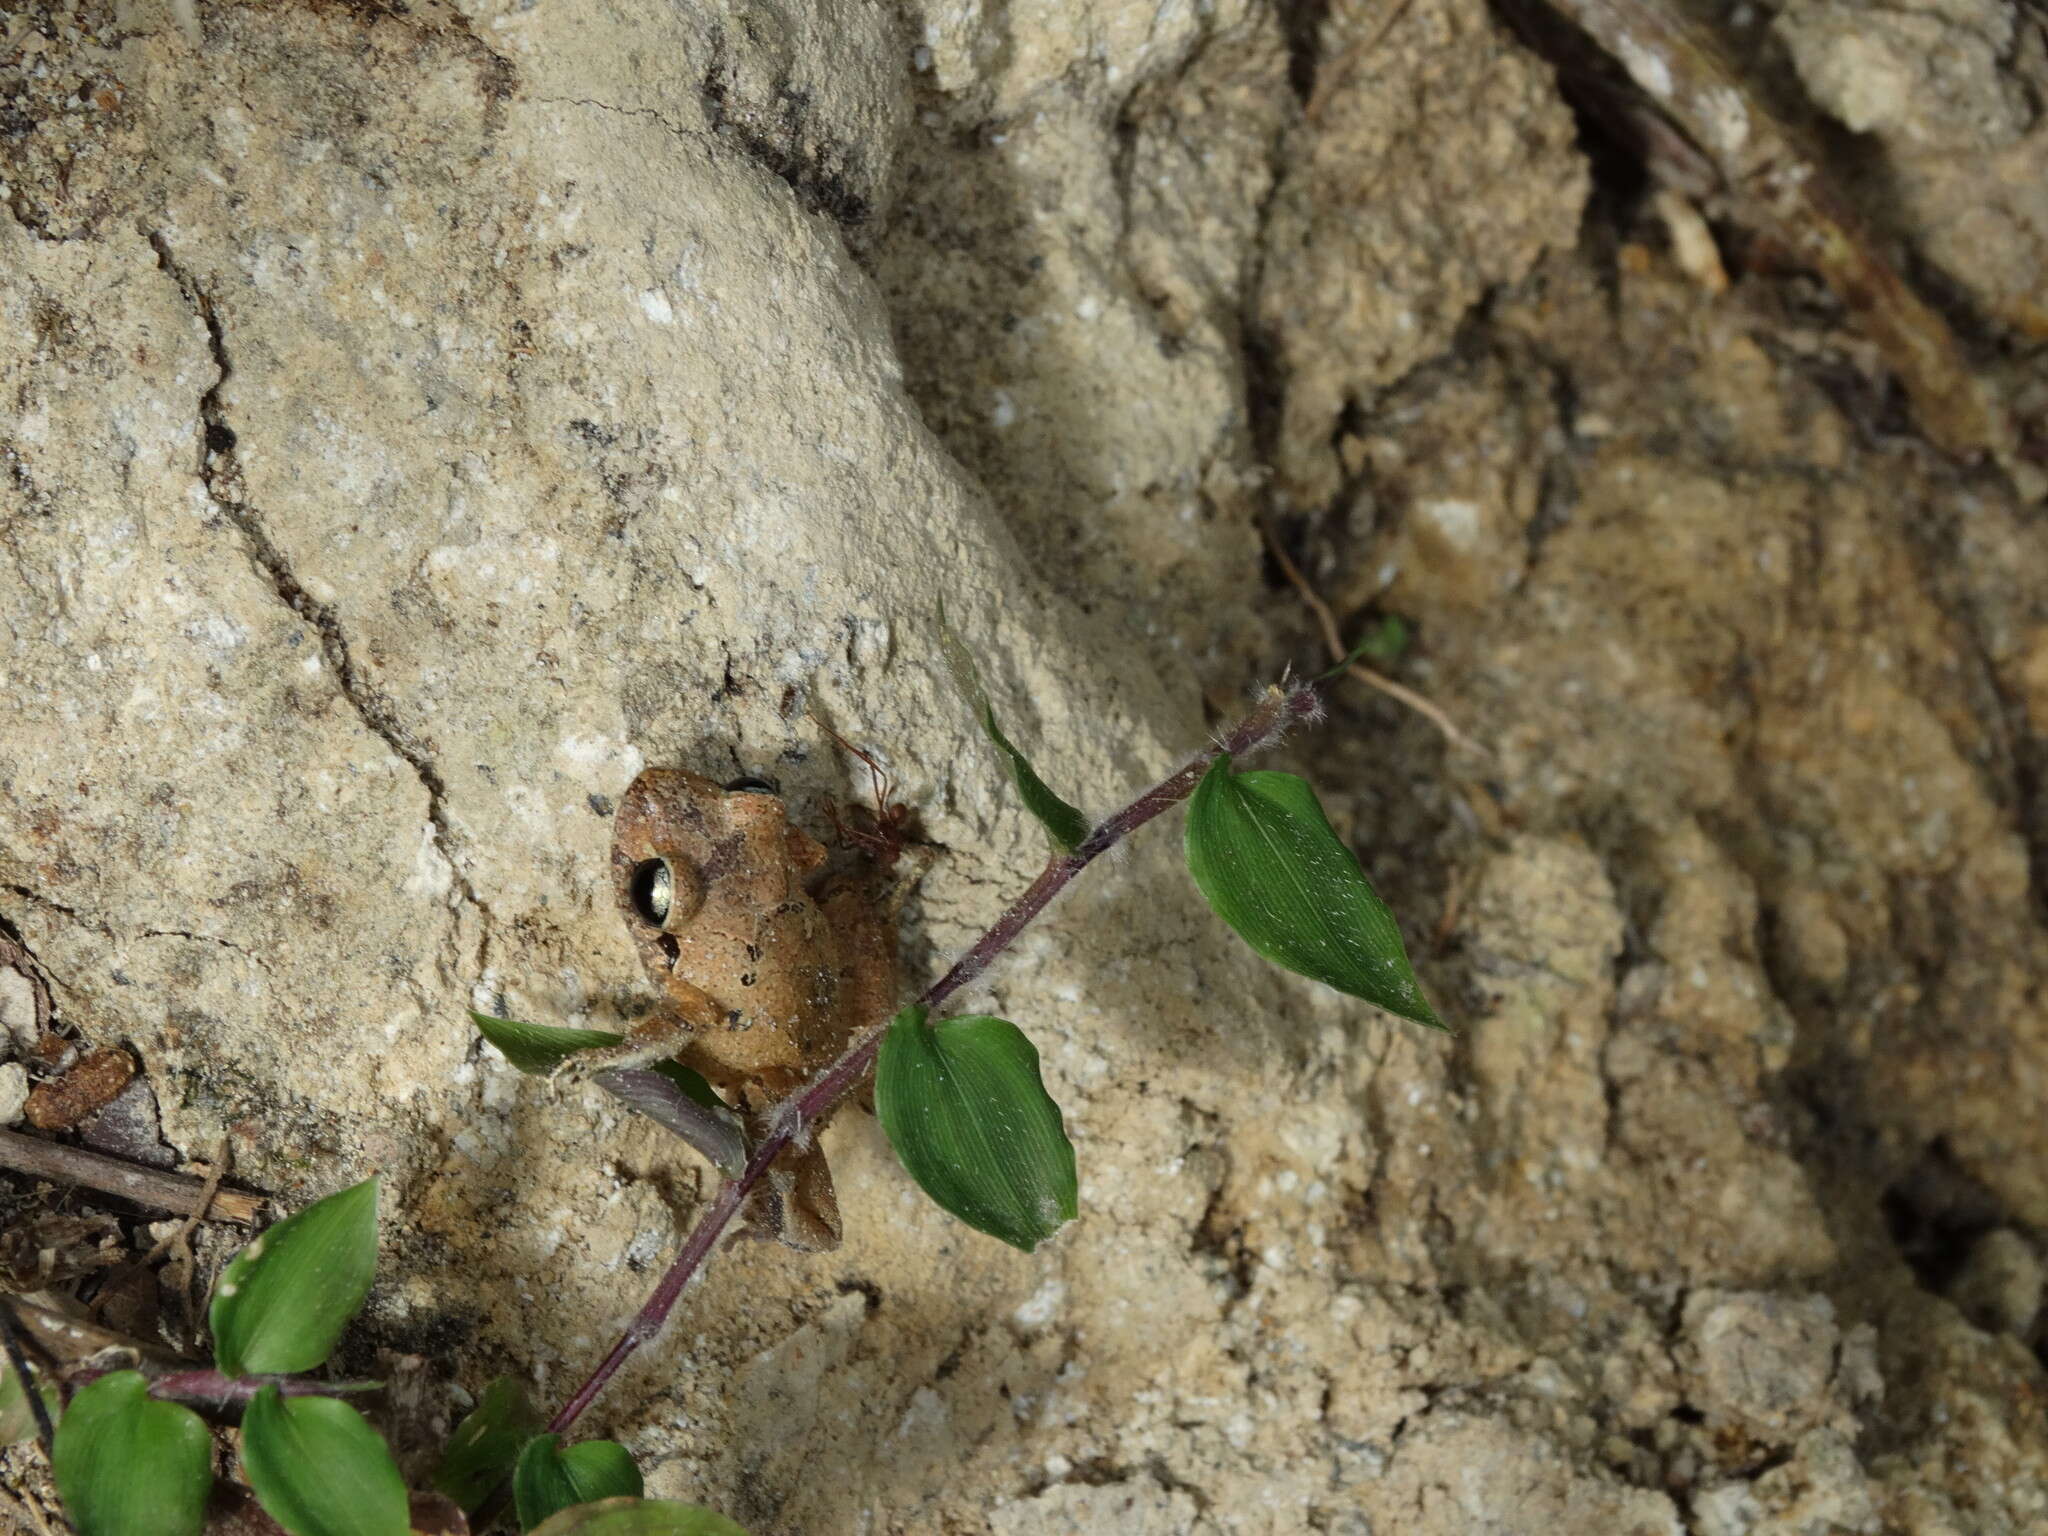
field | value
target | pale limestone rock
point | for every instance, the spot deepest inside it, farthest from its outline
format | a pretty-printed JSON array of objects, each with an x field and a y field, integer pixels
[
  {"x": 13, "y": 1092},
  {"x": 2000, "y": 1284},
  {"x": 1928, "y": 74},
  {"x": 1761, "y": 1364},
  {"x": 1138, "y": 1506},
  {"x": 1399, "y": 207},
  {"x": 1952, "y": 91}
]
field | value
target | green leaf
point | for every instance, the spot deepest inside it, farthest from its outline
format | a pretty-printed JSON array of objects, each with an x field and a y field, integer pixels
[
  {"x": 549, "y": 1478},
  {"x": 969, "y": 1117},
  {"x": 17, "y": 1417},
  {"x": 486, "y": 1444},
  {"x": 129, "y": 1466},
  {"x": 319, "y": 1469},
  {"x": 537, "y": 1049},
  {"x": 283, "y": 1300},
  {"x": 637, "y": 1517},
  {"x": 1065, "y": 825},
  {"x": 1263, "y": 853},
  {"x": 1381, "y": 644}
]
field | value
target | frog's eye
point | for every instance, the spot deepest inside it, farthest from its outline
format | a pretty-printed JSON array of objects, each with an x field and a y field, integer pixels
[
  {"x": 753, "y": 784},
  {"x": 664, "y": 896}
]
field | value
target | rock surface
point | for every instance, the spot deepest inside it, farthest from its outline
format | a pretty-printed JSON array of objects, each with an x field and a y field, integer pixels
[
  {"x": 1952, "y": 94},
  {"x": 420, "y": 419}
]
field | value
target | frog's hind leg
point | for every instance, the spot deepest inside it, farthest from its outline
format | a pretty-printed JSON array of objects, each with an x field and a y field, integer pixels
[
  {"x": 862, "y": 911},
  {"x": 796, "y": 1203}
]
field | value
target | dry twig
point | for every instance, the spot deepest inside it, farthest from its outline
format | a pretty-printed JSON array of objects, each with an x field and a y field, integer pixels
[
  {"x": 178, "y": 1193},
  {"x": 1334, "y": 639}
]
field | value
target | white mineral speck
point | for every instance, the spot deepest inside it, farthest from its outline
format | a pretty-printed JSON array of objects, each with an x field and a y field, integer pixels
[
  {"x": 1458, "y": 521},
  {"x": 1649, "y": 71},
  {"x": 1043, "y": 1305}
]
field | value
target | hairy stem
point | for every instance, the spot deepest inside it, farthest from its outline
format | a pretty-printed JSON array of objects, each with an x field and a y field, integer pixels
[{"x": 1280, "y": 708}]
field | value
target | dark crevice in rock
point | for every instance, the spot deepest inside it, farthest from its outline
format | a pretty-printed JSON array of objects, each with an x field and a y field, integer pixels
[
  {"x": 221, "y": 475},
  {"x": 15, "y": 955},
  {"x": 819, "y": 169},
  {"x": 37, "y": 898},
  {"x": 1265, "y": 369},
  {"x": 1935, "y": 1212},
  {"x": 37, "y": 227},
  {"x": 1301, "y": 24}
]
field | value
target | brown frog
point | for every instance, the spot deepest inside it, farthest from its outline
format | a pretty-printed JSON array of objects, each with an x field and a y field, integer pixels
[{"x": 763, "y": 979}]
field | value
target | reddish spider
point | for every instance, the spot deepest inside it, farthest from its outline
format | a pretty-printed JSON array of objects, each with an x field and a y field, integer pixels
[{"x": 888, "y": 826}]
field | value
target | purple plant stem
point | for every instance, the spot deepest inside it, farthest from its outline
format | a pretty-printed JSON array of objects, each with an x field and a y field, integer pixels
[
  {"x": 210, "y": 1389},
  {"x": 1280, "y": 708},
  {"x": 211, "y": 1392}
]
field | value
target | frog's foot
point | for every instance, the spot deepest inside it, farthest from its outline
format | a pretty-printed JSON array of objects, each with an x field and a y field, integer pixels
[
  {"x": 795, "y": 1204},
  {"x": 649, "y": 1042}
]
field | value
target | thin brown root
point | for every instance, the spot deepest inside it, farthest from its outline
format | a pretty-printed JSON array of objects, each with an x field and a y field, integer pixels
[
  {"x": 178, "y": 1242},
  {"x": 1334, "y": 639},
  {"x": 33, "y": 1510}
]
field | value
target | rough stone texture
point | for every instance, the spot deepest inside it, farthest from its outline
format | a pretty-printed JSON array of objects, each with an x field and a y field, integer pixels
[
  {"x": 419, "y": 421},
  {"x": 1999, "y": 1286},
  {"x": 1434, "y": 159},
  {"x": 1928, "y": 75},
  {"x": 1953, "y": 93},
  {"x": 1066, "y": 286}
]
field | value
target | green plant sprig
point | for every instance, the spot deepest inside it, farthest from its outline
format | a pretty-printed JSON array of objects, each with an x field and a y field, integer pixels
[{"x": 1280, "y": 708}]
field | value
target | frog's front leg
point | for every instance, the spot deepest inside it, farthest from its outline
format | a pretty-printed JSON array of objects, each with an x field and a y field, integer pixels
[{"x": 686, "y": 1014}]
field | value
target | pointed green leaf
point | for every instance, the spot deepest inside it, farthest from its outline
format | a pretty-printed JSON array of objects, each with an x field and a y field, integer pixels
[
  {"x": 1065, "y": 825},
  {"x": 128, "y": 1466},
  {"x": 1380, "y": 644},
  {"x": 550, "y": 1478},
  {"x": 486, "y": 1444},
  {"x": 283, "y": 1300},
  {"x": 17, "y": 1415},
  {"x": 537, "y": 1049},
  {"x": 637, "y": 1517},
  {"x": 319, "y": 1469},
  {"x": 964, "y": 1107},
  {"x": 1264, "y": 854}
]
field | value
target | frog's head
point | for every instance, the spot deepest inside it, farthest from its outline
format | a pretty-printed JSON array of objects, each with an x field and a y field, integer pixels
[{"x": 684, "y": 848}]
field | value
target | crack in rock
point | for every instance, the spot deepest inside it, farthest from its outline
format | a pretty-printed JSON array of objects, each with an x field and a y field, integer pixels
[
  {"x": 220, "y": 475},
  {"x": 819, "y": 189},
  {"x": 71, "y": 914},
  {"x": 248, "y": 954}
]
